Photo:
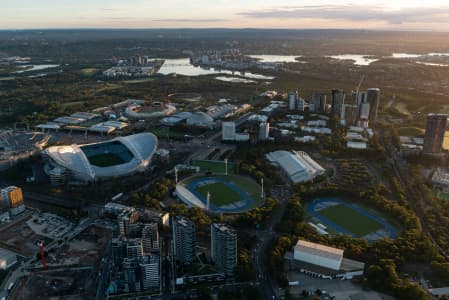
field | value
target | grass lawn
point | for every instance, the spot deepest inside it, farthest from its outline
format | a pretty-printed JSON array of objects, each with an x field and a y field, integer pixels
[
  {"x": 88, "y": 71},
  {"x": 351, "y": 220},
  {"x": 441, "y": 195},
  {"x": 410, "y": 131},
  {"x": 220, "y": 194},
  {"x": 402, "y": 108},
  {"x": 214, "y": 166},
  {"x": 105, "y": 160}
]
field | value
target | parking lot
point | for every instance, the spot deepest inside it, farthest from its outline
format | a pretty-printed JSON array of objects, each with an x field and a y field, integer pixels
[{"x": 340, "y": 289}]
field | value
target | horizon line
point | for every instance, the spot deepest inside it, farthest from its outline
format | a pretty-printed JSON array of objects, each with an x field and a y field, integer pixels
[{"x": 223, "y": 28}]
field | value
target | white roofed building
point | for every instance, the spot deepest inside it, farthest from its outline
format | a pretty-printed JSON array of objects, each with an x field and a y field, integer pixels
[
  {"x": 297, "y": 165},
  {"x": 317, "y": 254}
]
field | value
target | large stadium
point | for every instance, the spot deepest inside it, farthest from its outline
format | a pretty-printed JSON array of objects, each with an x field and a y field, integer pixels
[
  {"x": 218, "y": 192},
  {"x": 87, "y": 163}
]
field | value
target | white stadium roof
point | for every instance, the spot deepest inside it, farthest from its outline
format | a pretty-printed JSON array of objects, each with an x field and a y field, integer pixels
[
  {"x": 296, "y": 164},
  {"x": 142, "y": 146}
]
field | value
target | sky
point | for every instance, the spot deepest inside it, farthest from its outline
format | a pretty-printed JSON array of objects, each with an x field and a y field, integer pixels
[{"x": 297, "y": 14}]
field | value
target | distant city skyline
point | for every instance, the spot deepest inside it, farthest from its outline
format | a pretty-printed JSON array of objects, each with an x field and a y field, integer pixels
[{"x": 306, "y": 14}]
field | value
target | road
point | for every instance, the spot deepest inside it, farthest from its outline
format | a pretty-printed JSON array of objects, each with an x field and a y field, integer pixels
[{"x": 259, "y": 256}]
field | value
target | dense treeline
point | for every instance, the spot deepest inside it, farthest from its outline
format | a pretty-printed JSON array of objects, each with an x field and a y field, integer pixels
[{"x": 383, "y": 258}]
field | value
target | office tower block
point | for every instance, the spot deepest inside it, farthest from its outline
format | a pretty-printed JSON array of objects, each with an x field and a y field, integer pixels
[
  {"x": 338, "y": 99},
  {"x": 224, "y": 247},
  {"x": 373, "y": 96},
  {"x": 435, "y": 130},
  {"x": 184, "y": 238}
]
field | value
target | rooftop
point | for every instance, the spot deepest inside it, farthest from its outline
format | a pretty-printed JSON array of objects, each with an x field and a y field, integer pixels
[{"x": 318, "y": 249}]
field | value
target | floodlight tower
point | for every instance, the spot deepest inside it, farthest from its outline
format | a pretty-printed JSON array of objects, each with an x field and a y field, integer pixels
[
  {"x": 226, "y": 165},
  {"x": 208, "y": 201},
  {"x": 176, "y": 175}
]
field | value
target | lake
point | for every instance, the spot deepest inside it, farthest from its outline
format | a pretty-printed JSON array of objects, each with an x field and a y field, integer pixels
[
  {"x": 358, "y": 59},
  {"x": 35, "y": 68},
  {"x": 234, "y": 79},
  {"x": 276, "y": 58},
  {"x": 182, "y": 66}
]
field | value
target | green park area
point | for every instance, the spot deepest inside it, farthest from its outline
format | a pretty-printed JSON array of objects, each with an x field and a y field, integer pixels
[
  {"x": 350, "y": 220},
  {"x": 410, "y": 131}
]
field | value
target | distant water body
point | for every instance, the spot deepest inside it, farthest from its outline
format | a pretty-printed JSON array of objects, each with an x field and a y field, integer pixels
[
  {"x": 182, "y": 66},
  {"x": 358, "y": 59},
  {"x": 35, "y": 68},
  {"x": 276, "y": 58}
]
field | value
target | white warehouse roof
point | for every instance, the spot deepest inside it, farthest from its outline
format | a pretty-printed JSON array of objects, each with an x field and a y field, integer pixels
[
  {"x": 319, "y": 250},
  {"x": 298, "y": 165}
]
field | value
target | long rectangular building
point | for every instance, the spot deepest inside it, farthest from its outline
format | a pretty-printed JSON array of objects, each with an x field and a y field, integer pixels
[
  {"x": 297, "y": 165},
  {"x": 320, "y": 255}
]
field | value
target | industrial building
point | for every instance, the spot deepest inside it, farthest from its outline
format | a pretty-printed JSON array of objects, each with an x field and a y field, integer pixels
[
  {"x": 323, "y": 261},
  {"x": 223, "y": 247},
  {"x": 317, "y": 254},
  {"x": 87, "y": 163},
  {"x": 7, "y": 259},
  {"x": 200, "y": 119},
  {"x": 184, "y": 239},
  {"x": 228, "y": 131},
  {"x": 176, "y": 118},
  {"x": 297, "y": 165},
  {"x": 434, "y": 136}
]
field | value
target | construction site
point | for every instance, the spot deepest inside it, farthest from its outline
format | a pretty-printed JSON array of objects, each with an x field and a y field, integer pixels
[
  {"x": 86, "y": 249},
  {"x": 70, "y": 271},
  {"x": 57, "y": 283},
  {"x": 20, "y": 238}
]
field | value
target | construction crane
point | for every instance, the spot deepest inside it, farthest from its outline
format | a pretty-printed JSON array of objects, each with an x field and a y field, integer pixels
[{"x": 42, "y": 252}]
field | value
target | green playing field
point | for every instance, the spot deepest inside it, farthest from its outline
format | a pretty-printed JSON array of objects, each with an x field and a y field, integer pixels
[
  {"x": 350, "y": 219},
  {"x": 214, "y": 166},
  {"x": 105, "y": 160},
  {"x": 220, "y": 194}
]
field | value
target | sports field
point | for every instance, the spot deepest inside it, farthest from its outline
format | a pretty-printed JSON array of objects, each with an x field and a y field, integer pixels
[
  {"x": 105, "y": 160},
  {"x": 341, "y": 217},
  {"x": 214, "y": 166},
  {"x": 232, "y": 193},
  {"x": 350, "y": 219},
  {"x": 220, "y": 193}
]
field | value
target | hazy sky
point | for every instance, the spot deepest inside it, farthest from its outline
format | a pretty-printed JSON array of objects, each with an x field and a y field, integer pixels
[{"x": 368, "y": 14}]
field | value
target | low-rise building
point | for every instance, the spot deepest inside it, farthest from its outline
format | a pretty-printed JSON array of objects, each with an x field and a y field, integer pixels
[
  {"x": 297, "y": 165},
  {"x": 323, "y": 261}
]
